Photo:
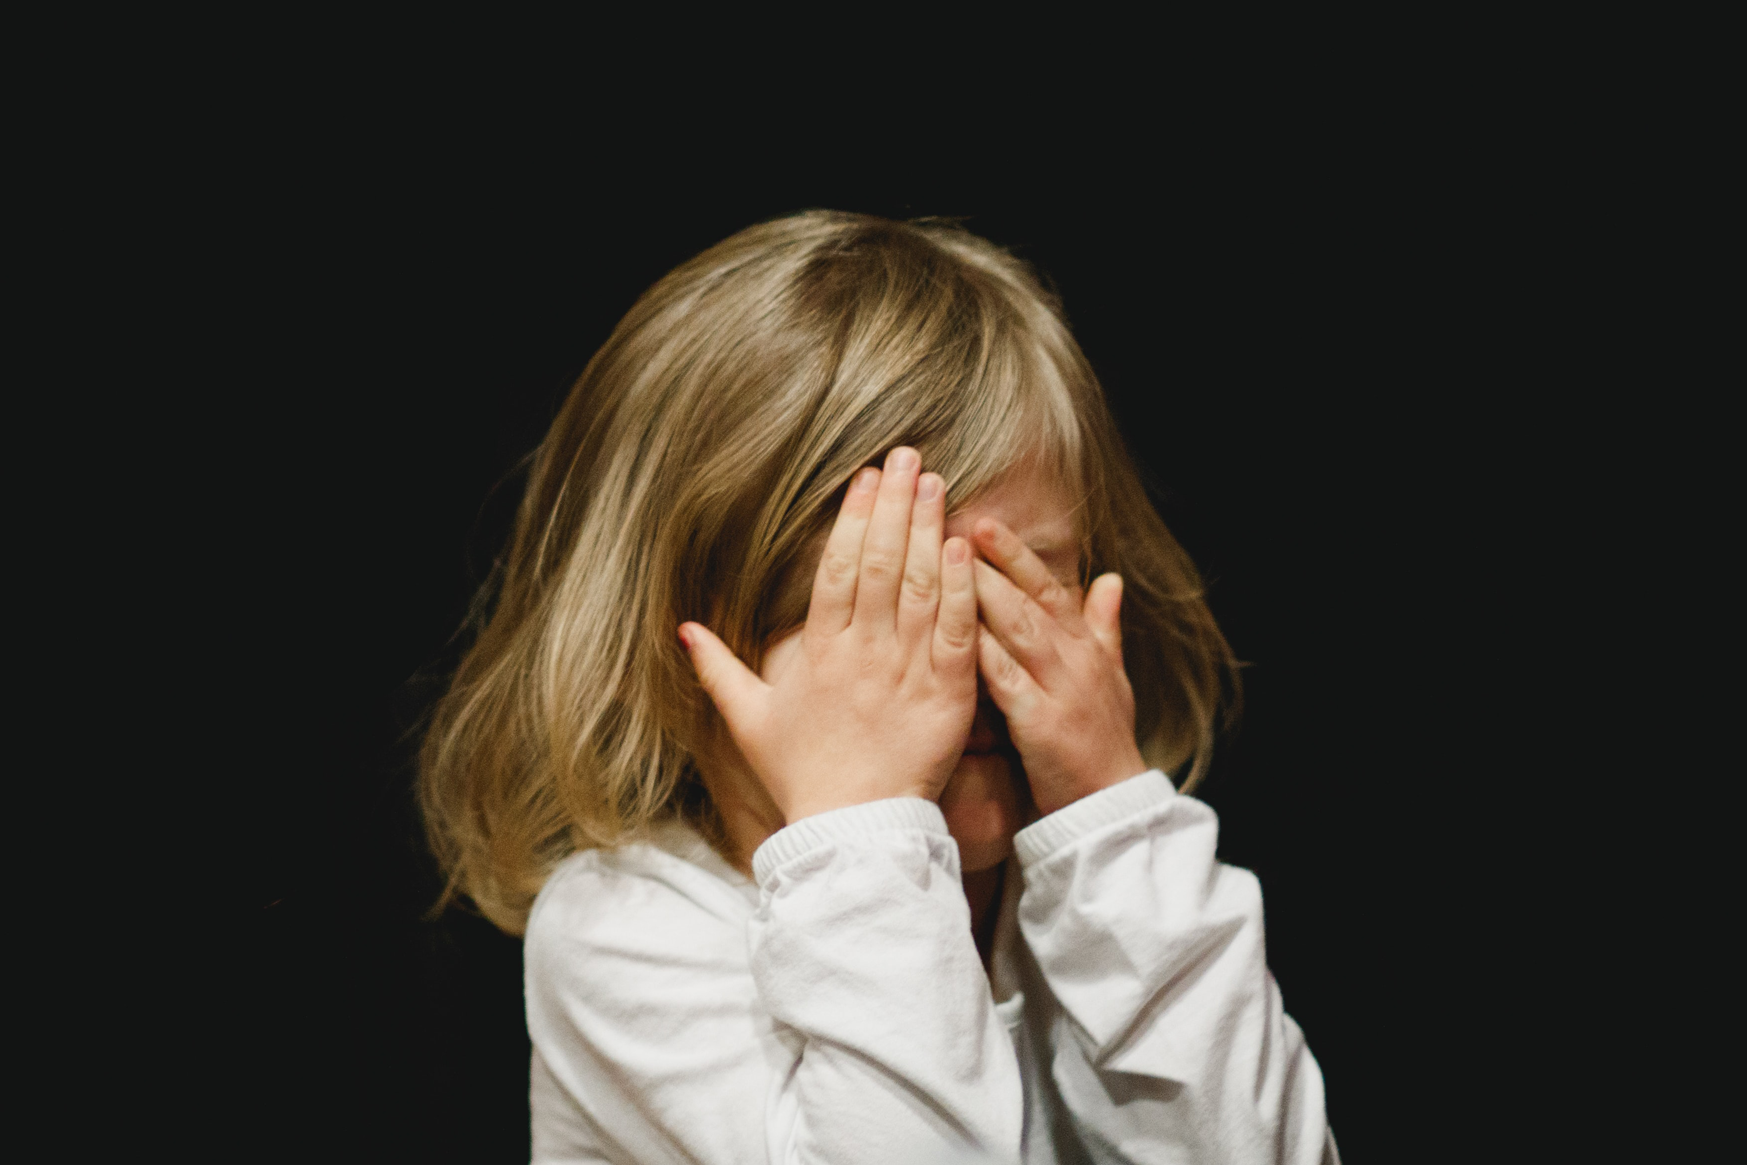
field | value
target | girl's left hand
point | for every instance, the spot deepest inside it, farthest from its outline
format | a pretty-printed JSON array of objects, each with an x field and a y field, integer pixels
[{"x": 1053, "y": 666}]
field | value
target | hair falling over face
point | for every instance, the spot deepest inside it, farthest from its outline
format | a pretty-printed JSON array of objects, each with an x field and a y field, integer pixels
[{"x": 696, "y": 461}]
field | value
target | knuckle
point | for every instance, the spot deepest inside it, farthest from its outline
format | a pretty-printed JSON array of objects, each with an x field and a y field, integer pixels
[
  {"x": 919, "y": 586},
  {"x": 955, "y": 637},
  {"x": 837, "y": 568},
  {"x": 879, "y": 566}
]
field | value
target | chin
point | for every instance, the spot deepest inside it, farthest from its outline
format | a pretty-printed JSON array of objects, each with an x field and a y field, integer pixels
[{"x": 981, "y": 806}]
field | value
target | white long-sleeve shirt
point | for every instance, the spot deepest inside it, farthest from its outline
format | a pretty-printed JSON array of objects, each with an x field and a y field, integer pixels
[{"x": 834, "y": 1009}]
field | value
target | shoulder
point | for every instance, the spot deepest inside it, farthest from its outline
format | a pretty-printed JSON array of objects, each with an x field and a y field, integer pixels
[
  {"x": 631, "y": 918},
  {"x": 642, "y": 1008}
]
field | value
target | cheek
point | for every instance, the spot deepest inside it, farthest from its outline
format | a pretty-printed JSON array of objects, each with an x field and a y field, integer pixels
[{"x": 981, "y": 807}]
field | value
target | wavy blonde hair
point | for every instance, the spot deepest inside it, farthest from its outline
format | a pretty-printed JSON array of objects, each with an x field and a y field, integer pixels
[{"x": 698, "y": 461}]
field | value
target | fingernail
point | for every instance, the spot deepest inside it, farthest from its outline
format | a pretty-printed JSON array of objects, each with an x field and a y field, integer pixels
[
  {"x": 957, "y": 550},
  {"x": 866, "y": 480},
  {"x": 929, "y": 487},
  {"x": 905, "y": 458},
  {"x": 684, "y": 639}
]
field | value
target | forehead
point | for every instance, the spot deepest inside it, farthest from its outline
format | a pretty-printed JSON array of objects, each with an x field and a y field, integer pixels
[{"x": 1038, "y": 508}]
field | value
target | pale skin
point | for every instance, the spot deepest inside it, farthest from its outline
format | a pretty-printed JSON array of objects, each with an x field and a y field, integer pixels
[{"x": 878, "y": 694}]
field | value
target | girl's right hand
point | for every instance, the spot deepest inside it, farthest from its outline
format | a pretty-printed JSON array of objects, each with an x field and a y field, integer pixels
[{"x": 879, "y": 699}]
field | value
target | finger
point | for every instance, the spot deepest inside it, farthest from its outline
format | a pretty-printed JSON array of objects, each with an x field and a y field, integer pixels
[
  {"x": 833, "y": 599},
  {"x": 1010, "y": 686},
  {"x": 1001, "y": 546},
  {"x": 734, "y": 688},
  {"x": 1023, "y": 627},
  {"x": 882, "y": 551},
  {"x": 1103, "y": 612},
  {"x": 955, "y": 627},
  {"x": 920, "y": 596}
]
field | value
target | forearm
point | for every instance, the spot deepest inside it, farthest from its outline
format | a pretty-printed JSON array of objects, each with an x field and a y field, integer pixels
[
  {"x": 1172, "y": 1035},
  {"x": 861, "y": 949}
]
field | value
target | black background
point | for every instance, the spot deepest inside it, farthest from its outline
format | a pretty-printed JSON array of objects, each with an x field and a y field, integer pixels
[{"x": 1411, "y": 391}]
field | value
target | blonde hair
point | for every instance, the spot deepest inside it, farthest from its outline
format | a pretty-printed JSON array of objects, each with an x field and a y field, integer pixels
[{"x": 699, "y": 457}]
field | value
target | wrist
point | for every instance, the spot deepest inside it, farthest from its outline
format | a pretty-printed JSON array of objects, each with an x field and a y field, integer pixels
[
  {"x": 828, "y": 802},
  {"x": 1055, "y": 795}
]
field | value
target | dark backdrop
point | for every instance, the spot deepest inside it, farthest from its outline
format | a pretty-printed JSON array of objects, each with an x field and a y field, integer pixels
[{"x": 1399, "y": 404}]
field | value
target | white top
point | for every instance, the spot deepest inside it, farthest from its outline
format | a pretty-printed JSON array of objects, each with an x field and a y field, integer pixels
[{"x": 837, "y": 1011}]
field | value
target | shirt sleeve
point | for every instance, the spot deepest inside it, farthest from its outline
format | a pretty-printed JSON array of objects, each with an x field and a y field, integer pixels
[
  {"x": 1172, "y": 1044},
  {"x": 861, "y": 950},
  {"x": 648, "y": 1044}
]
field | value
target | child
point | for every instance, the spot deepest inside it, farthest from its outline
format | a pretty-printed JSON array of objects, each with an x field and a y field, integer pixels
[{"x": 805, "y": 742}]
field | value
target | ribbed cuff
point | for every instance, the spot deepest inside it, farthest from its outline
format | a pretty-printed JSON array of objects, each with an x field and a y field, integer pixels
[
  {"x": 1105, "y": 807},
  {"x": 897, "y": 814}
]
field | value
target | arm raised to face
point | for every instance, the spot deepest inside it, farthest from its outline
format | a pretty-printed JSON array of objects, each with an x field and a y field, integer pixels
[
  {"x": 880, "y": 699},
  {"x": 1053, "y": 665}
]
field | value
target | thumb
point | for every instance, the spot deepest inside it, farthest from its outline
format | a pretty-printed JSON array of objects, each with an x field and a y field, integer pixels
[
  {"x": 732, "y": 686},
  {"x": 1103, "y": 612}
]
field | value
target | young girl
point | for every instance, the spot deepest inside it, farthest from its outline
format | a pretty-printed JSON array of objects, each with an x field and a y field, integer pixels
[{"x": 805, "y": 743}]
